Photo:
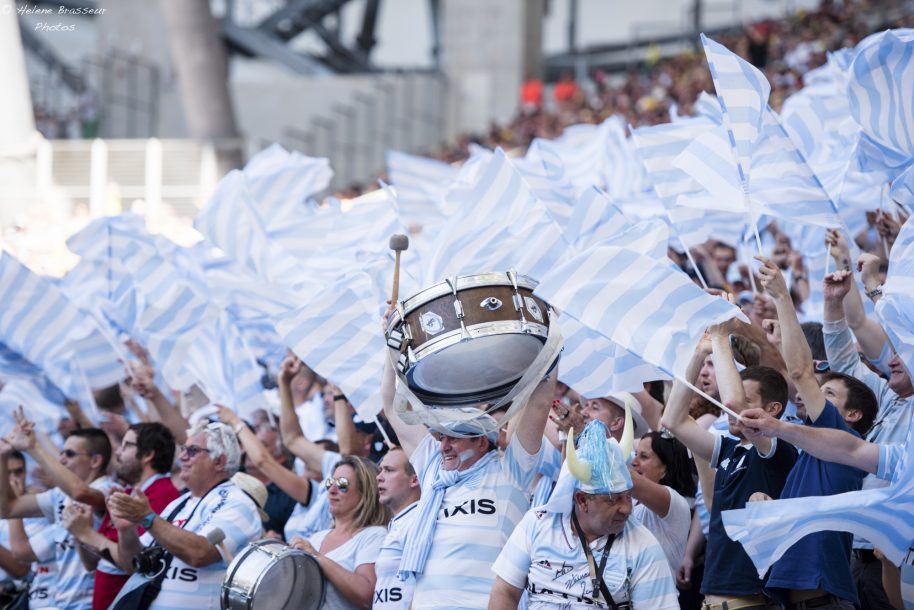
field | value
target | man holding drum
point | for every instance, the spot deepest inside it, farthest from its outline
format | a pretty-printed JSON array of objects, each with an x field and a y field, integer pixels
[{"x": 472, "y": 498}]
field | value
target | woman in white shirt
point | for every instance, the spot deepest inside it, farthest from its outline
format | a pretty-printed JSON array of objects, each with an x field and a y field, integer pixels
[
  {"x": 347, "y": 551},
  {"x": 662, "y": 477}
]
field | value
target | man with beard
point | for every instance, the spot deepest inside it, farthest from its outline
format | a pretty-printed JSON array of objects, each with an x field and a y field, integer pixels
[{"x": 143, "y": 461}]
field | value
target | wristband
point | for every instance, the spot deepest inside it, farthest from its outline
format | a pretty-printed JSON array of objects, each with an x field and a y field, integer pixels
[
  {"x": 800, "y": 277},
  {"x": 875, "y": 292},
  {"x": 146, "y": 522},
  {"x": 239, "y": 427},
  {"x": 339, "y": 397}
]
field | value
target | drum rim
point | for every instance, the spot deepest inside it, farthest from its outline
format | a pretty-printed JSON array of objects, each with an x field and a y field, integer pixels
[
  {"x": 228, "y": 582},
  {"x": 483, "y": 329},
  {"x": 464, "y": 282}
]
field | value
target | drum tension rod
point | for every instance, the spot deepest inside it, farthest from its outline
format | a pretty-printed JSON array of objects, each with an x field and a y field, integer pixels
[
  {"x": 518, "y": 301},
  {"x": 458, "y": 309}
]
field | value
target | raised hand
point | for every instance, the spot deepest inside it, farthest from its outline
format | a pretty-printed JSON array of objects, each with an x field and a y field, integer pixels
[
  {"x": 142, "y": 380},
  {"x": 290, "y": 368},
  {"x": 22, "y": 437},
  {"x": 772, "y": 279},
  {"x": 129, "y": 508},
  {"x": 838, "y": 248},
  {"x": 868, "y": 265},
  {"x": 837, "y": 285},
  {"x": 772, "y": 330}
]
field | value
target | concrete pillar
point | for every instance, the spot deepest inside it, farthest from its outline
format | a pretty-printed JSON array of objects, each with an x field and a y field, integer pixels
[
  {"x": 485, "y": 49},
  {"x": 18, "y": 138}
]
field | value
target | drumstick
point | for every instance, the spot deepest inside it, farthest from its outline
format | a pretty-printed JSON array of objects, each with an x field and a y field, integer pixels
[{"x": 398, "y": 243}]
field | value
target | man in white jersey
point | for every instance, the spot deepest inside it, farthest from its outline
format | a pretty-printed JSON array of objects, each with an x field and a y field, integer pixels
[
  {"x": 472, "y": 497},
  {"x": 11, "y": 568},
  {"x": 581, "y": 550},
  {"x": 83, "y": 460},
  {"x": 398, "y": 490},
  {"x": 194, "y": 575}
]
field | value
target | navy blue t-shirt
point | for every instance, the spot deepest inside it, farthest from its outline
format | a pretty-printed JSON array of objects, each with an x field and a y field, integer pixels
[
  {"x": 820, "y": 560},
  {"x": 741, "y": 472}
]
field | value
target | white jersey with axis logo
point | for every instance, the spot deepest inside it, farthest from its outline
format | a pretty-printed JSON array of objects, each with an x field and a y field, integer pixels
[{"x": 473, "y": 524}]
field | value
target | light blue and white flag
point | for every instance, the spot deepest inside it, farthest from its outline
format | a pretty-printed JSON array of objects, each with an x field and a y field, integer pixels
[
  {"x": 501, "y": 226},
  {"x": 645, "y": 305},
  {"x": 40, "y": 324},
  {"x": 336, "y": 333},
  {"x": 742, "y": 91},
  {"x": 593, "y": 219},
  {"x": 544, "y": 171},
  {"x": 896, "y": 307},
  {"x": 421, "y": 184}
]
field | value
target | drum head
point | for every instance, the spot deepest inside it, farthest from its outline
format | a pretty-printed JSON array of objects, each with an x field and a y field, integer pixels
[
  {"x": 479, "y": 367},
  {"x": 294, "y": 582}
]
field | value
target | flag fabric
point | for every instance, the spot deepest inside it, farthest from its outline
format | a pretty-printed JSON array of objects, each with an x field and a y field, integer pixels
[
  {"x": 881, "y": 516},
  {"x": 896, "y": 307},
  {"x": 544, "y": 172},
  {"x": 41, "y": 325},
  {"x": 501, "y": 226},
  {"x": 593, "y": 219},
  {"x": 336, "y": 333},
  {"x": 421, "y": 184},
  {"x": 645, "y": 305},
  {"x": 742, "y": 91},
  {"x": 881, "y": 89}
]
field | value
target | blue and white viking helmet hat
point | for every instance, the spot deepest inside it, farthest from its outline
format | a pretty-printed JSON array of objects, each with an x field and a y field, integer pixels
[{"x": 599, "y": 463}]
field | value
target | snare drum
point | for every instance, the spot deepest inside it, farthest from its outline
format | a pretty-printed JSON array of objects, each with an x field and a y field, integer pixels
[
  {"x": 269, "y": 575},
  {"x": 469, "y": 338}
]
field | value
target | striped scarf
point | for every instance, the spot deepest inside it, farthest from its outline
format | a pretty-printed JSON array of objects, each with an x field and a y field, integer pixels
[{"x": 418, "y": 540}]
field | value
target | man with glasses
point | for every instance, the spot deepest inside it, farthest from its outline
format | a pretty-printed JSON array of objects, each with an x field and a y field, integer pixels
[
  {"x": 79, "y": 478},
  {"x": 581, "y": 549},
  {"x": 195, "y": 567},
  {"x": 143, "y": 461}
]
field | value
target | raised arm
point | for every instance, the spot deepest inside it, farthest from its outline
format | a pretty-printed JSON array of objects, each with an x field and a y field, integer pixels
[
  {"x": 794, "y": 347},
  {"x": 23, "y": 438},
  {"x": 409, "y": 435},
  {"x": 289, "y": 426},
  {"x": 676, "y": 417},
  {"x": 298, "y": 488},
  {"x": 13, "y": 505},
  {"x": 142, "y": 381},
  {"x": 531, "y": 421},
  {"x": 826, "y": 444}
]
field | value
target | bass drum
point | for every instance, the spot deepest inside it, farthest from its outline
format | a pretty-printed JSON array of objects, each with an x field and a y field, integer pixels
[
  {"x": 268, "y": 575},
  {"x": 469, "y": 338}
]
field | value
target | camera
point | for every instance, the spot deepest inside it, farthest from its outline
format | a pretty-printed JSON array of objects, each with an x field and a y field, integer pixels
[{"x": 150, "y": 561}]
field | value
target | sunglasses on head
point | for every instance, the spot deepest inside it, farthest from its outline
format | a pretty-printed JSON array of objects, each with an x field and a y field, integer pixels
[{"x": 341, "y": 483}]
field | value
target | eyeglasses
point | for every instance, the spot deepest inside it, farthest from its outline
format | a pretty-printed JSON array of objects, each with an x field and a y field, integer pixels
[
  {"x": 341, "y": 483},
  {"x": 191, "y": 450},
  {"x": 70, "y": 454},
  {"x": 821, "y": 366}
]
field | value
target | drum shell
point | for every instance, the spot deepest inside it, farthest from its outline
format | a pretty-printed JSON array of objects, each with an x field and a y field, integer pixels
[
  {"x": 248, "y": 569},
  {"x": 489, "y": 304}
]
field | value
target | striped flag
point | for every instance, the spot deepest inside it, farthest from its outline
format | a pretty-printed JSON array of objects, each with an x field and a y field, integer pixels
[
  {"x": 544, "y": 172},
  {"x": 643, "y": 304},
  {"x": 501, "y": 226},
  {"x": 708, "y": 106},
  {"x": 37, "y": 396},
  {"x": 593, "y": 219},
  {"x": 896, "y": 307},
  {"x": 42, "y": 326},
  {"x": 421, "y": 184},
  {"x": 742, "y": 91},
  {"x": 336, "y": 333},
  {"x": 881, "y": 89}
]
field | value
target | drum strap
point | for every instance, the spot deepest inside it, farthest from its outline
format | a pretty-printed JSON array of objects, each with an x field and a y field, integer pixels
[{"x": 413, "y": 411}]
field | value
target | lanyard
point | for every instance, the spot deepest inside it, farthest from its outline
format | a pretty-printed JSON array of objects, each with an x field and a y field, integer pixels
[{"x": 596, "y": 576}]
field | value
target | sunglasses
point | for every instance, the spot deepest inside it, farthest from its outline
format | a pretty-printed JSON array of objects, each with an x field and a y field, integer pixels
[
  {"x": 821, "y": 366},
  {"x": 191, "y": 450},
  {"x": 70, "y": 454},
  {"x": 341, "y": 483}
]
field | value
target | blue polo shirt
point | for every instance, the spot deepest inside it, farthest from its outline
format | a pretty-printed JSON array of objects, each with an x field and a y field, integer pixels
[
  {"x": 820, "y": 560},
  {"x": 741, "y": 472}
]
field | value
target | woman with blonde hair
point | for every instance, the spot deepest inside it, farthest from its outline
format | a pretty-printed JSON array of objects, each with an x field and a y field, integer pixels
[{"x": 347, "y": 551}]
